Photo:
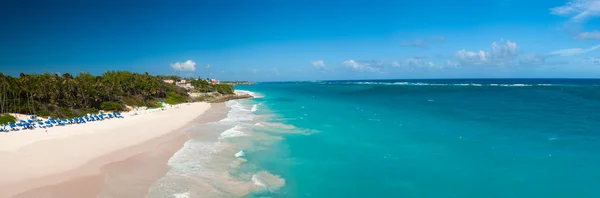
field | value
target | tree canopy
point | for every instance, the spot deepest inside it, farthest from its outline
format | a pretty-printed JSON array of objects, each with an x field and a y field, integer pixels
[{"x": 68, "y": 96}]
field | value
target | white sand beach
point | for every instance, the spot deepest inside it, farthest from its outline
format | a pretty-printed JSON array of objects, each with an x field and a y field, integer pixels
[{"x": 31, "y": 159}]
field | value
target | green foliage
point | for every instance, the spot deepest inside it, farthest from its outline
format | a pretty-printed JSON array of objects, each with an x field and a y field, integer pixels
[
  {"x": 175, "y": 78},
  {"x": 111, "y": 106},
  {"x": 152, "y": 104},
  {"x": 5, "y": 119},
  {"x": 203, "y": 85},
  {"x": 224, "y": 88},
  {"x": 132, "y": 101},
  {"x": 174, "y": 98},
  {"x": 66, "y": 95}
]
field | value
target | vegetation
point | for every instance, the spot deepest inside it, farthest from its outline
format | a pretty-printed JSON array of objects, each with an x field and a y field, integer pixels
[
  {"x": 112, "y": 106},
  {"x": 67, "y": 96},
  {"x": 5, "y": 119},
  {"x": 174, "y": 98}
]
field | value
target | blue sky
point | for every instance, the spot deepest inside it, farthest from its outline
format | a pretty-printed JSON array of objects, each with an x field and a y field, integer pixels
[{"x": 275, "y": 40}]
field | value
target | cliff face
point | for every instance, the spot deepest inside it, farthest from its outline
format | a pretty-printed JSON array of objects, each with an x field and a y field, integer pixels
[
  {"x": 215, "y": 97},
  {"x": 225, "y": 98}
]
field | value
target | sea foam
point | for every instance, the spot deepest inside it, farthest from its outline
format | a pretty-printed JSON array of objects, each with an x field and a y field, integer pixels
[
  {"x": 241, "y": 153},
  {"x": 267, "y": 181},
  {"x": 235, "y": 131}
]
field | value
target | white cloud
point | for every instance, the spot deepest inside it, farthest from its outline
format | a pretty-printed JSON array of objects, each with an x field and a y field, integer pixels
[
  {"x": 414, "y": 62},
  {"x": 479, "y": 57},
  {"x": 395, "y": 64},
  {"x": 363, "y": 66},
  {"x": 578, "y": 10},
  {"x": 451, "y": 63},
  {"x": 533, "y": 60},
  {"x": 595, "y": 35},
  {"x": 502, "y": 53},
  {"x": 574, "y": 51},
  {"x": 188, "y": 65},
  {"x": 207, "y": 65},
  {"x": 319, "y": 65}
]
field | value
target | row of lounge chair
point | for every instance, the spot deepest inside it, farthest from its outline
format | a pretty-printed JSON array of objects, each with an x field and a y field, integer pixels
[{"x": 50, "y": 122}]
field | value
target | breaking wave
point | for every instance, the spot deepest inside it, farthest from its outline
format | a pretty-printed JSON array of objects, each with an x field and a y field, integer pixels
[
  {"x": 445, "y": 84},
  {"x": 213, "y": 164}
]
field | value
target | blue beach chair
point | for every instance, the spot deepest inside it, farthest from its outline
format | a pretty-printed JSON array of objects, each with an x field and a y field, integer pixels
[
  {"x": 41, "y": 125},
  {"x": 13, "y": 127},
  {"x": 48, "y": 124}
]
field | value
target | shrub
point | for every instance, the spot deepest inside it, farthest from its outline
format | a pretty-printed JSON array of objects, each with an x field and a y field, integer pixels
[
  {"x": 132, "y": 102},
  {"x": 111, "y": 106},
  {"x": 152, "y": 104},
  {"x": 174, "y": 98},
  {"x": 43, "y": 113},
  {"x": 5, "y": 119}
]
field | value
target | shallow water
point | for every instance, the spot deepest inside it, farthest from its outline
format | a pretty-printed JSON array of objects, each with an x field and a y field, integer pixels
[{"x": 445, "y": 138}]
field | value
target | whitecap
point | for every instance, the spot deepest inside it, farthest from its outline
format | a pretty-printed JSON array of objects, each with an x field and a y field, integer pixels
[
  {"x": 182, "y": 195},
  {"x": 267, "y": 181},
  {"x": 253, "y": 94},
  {"x": 235, "y": 131},
  {"x": 241, "y": 153}
]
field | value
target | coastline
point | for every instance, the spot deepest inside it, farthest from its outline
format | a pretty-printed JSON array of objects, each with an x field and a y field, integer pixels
[{"x": 125, "y": 172}]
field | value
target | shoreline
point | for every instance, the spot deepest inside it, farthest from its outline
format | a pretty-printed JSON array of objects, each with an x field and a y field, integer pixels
[{"x": 125, "y": 172}]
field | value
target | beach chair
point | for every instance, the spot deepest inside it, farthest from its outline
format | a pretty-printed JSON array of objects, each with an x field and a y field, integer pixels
[
  {"x": 41, "y": 124},
  {"x": 48, "y": 124},
  {"x": 13, "y": 127}
]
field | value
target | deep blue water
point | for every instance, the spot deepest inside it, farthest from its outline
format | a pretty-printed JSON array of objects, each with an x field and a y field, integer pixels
[{"x": 434, "y": 138}]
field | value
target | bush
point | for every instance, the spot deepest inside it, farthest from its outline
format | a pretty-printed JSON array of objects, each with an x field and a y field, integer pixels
[
  {"x": 174, "y": 98},
  {"x": 132, "y": 102},
  {"x": 111, "y": 106},
  {"x": 152, "y": 104},
  {"x": 66, "y": 113},
  {"x": 43, "y": 113},
  {"x": 5, "y": 119},
  {"x": 224, "y": 88}
]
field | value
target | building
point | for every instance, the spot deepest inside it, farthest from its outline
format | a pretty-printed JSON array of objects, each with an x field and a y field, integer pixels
[
  {"x": 169, "y": 81},
  {"x": 184, "y": 84},
  {"x": 213, "y": 81}
]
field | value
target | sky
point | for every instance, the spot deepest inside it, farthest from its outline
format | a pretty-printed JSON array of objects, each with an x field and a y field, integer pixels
[{"x": 279, "y": 40}]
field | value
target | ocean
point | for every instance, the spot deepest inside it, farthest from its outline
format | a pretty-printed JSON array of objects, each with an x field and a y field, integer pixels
[{"x": 493, "y": 138}]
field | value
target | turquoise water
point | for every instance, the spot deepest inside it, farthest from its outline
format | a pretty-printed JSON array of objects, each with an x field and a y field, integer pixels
[{"x": 435, "y": 138}]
